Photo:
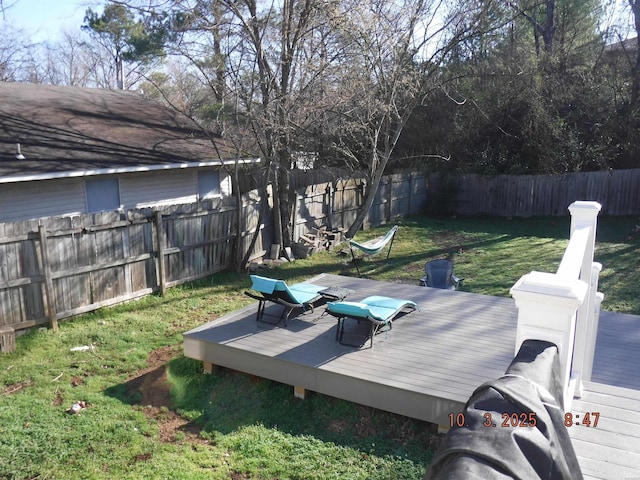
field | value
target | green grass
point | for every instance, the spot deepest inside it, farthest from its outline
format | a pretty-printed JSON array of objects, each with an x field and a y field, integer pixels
[
  {"x": 175, "y": 422},
  {"x": 491, "y": 254}
]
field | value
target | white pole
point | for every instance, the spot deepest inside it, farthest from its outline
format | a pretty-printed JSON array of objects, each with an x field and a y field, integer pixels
[
  {"x": 592, "y": 330},
  {"x": 584, "y": 215}
]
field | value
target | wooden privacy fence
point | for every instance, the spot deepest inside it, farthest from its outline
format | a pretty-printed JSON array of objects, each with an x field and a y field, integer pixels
[
  {"x": 528, "y": 195},
  {"x": 58, "y": 267},
  {"x": 336, "y": 204},
  {"x": 54, "y": 268}
]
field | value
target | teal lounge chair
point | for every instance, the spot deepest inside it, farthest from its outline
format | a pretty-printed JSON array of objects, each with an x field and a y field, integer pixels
[
  {"x": 301, "y": 295},
  {"x": 378, "y": 310},
  {"x": 373, "y": 247}
]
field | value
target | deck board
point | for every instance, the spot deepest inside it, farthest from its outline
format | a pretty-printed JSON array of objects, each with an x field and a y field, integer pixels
[
  {"x": 429, "y": 363},
  {"x": 612, "y": 448}
]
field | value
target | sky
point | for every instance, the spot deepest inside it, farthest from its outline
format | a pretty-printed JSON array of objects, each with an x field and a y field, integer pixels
[{"x": 45, "y": 19}]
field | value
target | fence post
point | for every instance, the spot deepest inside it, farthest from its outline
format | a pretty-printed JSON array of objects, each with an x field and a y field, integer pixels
[
  {"x": 162, "y": 281},
  {"x": 409, "y": 209},
  {"x": 389, "y": 210},
  {"x": 49, "y": 297},
  {"x": 547, "y": 305},
  {"x": 342, "y": 225}
]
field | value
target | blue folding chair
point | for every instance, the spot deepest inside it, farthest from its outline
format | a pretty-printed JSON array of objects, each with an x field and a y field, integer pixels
[{"x": 439, "y": 274}]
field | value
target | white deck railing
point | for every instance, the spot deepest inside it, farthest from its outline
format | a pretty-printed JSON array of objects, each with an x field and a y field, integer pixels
[{"x": 563, "y": 307}]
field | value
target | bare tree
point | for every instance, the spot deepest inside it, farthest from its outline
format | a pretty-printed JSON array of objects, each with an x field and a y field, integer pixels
[
  {"x": 266, "y": 52},
  {"x": 14, "y": 52},
  {"x": 395, "y": 53},
  {"x": 343, "y": 76}
]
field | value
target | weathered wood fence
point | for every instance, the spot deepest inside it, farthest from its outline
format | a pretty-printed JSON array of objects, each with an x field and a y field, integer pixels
[
  {"x": 54, "y": 268},
  {"x": 618, "y": 191},
  {"x": 336, "y": 204}
]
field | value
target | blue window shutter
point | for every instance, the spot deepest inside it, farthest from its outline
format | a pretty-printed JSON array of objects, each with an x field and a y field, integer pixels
[
  {"x": 208, "y": 184},
  {"x": 102, "y": 194}
]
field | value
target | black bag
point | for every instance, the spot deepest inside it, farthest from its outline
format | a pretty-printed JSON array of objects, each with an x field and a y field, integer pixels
[{"x": 499, "y": 440}]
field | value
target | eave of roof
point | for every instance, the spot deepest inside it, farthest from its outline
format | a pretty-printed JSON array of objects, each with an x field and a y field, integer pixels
[{"x": 120, "y": 170}]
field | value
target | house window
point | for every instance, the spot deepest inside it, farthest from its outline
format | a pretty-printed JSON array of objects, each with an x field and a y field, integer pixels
[
  {"x": 102, "y": 194},
  {"x": 208, "y": 184}
]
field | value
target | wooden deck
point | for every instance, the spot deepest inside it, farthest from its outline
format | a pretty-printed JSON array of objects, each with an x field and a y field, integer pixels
[{"x": 431, "y": 361}]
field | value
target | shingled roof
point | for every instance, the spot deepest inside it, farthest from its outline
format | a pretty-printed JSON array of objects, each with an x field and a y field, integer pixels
[{"x": 69, "y": 130}]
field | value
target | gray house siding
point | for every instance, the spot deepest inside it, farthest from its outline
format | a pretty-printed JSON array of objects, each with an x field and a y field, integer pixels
[
  {"x": 162, "y": 188},
  {"x": 172, "y": 187},
  {"x": 42, "y": 198},
  {"x": 68, "y": 196}
]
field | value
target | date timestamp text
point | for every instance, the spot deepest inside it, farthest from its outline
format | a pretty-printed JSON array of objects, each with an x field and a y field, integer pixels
[
  {"x": 506, "y": 420},
  {"x": 588, "y": 419}
]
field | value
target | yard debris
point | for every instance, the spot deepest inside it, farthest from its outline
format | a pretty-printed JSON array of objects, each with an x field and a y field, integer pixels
[
  {"x": 84, "y": 348},
  {"x": 77, "y": 407},
  {"x": 57, "y": 378},
  {"x": 16, "y": 387}
]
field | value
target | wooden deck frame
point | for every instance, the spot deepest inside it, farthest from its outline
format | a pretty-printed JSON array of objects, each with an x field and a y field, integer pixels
[
  {"x": 428, "y": 365},
  {"x": 408, "y": 362}
]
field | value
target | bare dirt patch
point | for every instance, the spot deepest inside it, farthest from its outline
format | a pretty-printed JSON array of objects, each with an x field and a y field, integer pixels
[
  {"x": 16, "y": 387},
  {"x": 152, "y": 392},
  {"x": 452, "y": 239}
]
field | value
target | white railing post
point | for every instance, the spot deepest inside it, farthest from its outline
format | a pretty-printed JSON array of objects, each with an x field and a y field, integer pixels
[
  {"x": 592, "y": 328},
  {"x": 584, "y": 215},
  {"x": 547, "y": 305}
]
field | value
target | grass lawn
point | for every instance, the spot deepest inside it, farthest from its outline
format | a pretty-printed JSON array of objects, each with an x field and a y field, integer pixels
[{"x": 151, "y": 413}]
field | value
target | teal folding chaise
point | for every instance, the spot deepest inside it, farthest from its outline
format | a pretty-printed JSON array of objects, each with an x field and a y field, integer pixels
[
  {"x": 373, "y": 247},
  {"x": 378, "y": 310},
  {"x": 301, "y": 295}
]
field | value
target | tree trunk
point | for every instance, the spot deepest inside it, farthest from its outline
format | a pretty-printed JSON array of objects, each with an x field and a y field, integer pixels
[
  {"x": 369, "y": 197},
  {"x": 277, "y": 207},
  {"x": 239, "y": 262},
  {"x": 283, "y": 199},
  {"x": 549, "y": 32}
]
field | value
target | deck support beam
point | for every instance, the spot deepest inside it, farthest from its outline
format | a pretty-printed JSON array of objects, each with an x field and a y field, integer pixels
[{"x": 299, "y": 392}]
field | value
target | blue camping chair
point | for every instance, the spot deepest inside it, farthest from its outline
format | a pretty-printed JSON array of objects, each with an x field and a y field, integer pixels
[
  {"x": 439, "y": 274},
  {"x": 300, "y": 295},
  {"x": 373, "y": 247},
  {"x": 378, "y": 310}
]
